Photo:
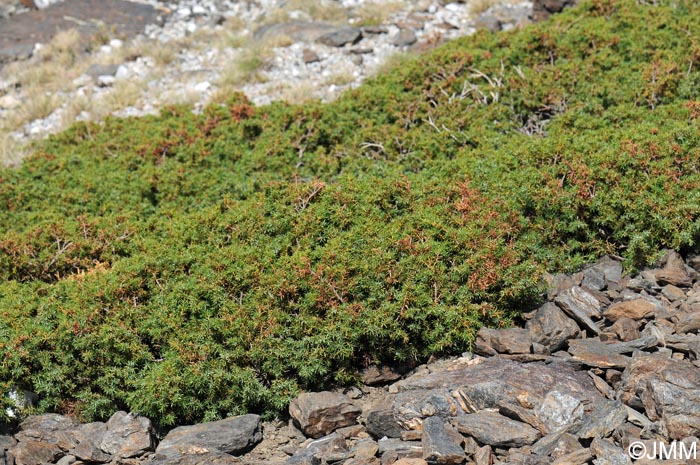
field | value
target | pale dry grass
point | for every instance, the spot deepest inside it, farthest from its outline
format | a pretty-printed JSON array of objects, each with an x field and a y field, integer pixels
[
  {"x": 375, "y": 13},
  {"x": 321, "y": 10},
  {"x": 247, "y": 66},
  {"x": 11, "y": 151}
]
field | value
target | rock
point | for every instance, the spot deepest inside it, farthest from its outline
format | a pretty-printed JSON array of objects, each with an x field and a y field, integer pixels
[
  {"x": 381, "y": 423},
  {"x": 542, "y": 9},
  {"x": 404, "y": 38},
  {"x": 33, "y": 452},
  {"x": 49, "y": 428},
  {"x": 483, "y": 456},
  {"x": 128, "y": 435},
  {"x": 298, "y": 31},
  {"x": 676, "y": 276},
  {"x": 608, "y": 453},
  {"x": 375, "y": 30},
  {"x": 441, "y": 445},
  {"x": 67, "y": 460},
  {"x": 595, "y": 353},
  {"x": 634, "y": 309},
  {"x": 374, "y": 375},
  {"x": 559, "y": 410},
  {"x": 626, "y": 329},
  {"x": 365, "y": 449},
  {"x": 551, "y": 327},
  {"x": 402, "y": 449},
  {"x": 233, "y": 435},
  {"x": 341, "y": 37},
  {"x": 556, "y": 444},
  {"x": 669, "y": 391},
  {"x": 96, "y": 70},
  {"x": 489, "y": 22},
  {"x": 689, "y": 322},
  {"x": 580, "y": 456},
  {"x": 505, "y": 341},
  {"x": 309, "y": 56},
  {"x": 410, "y": 461},
  {"x": 318, "y": 414},
  {"x": 215, "y": 458},
  {"x": 581, "y": 306},
  {"x": 16, "y": 52},
  {"x": 411, "y": 407},
  {"x": 495, "y": 430},
  {"x": 602, "y": 421},
  {"x": 319, "y": 449}
]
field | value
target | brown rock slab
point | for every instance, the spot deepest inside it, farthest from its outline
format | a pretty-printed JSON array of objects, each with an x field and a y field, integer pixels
[
  {"x": 503, "y": 341},
  {"x": 634, "y": 309},
  {"x": 35, "y": 452},
  {"x": 319, "y": 413}
]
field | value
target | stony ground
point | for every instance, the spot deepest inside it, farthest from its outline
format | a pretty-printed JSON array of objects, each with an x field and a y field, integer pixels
[
  {"x": 606, "y": 372},
  {"x": 198, "y": 51}
]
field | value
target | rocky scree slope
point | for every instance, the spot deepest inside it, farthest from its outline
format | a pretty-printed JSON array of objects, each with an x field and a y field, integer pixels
[
  {"x": 192, "y": 267},
  {"x": 600, "y": 373}
]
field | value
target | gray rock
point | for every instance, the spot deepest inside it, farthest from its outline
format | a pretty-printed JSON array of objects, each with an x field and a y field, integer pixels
[
  {"x": 16, "y": 52},
  {"x": 669, "y": 391},
  {"x": 96, "y": 70},
  {"x": 559, "y": 410},
  {"x": 404, "y": 38},
  {"x": 341, "y": 37},
  {"x": 67, "y": 460},
  {"x": 551, "y": 327},
  {"x": 402, "y": 449},
  {"x": 581, "y": 306},
  {"x": 602, "y": 421},
  {"x": 489, "y": 22},
  {"x": 411, "y": 407},
  {"x": 299, "y": 31},
  {"x": 495, "y": 430},
  {"x": 556, "y": 444},
  {"x": 128, "y": 435},
  {"x": 504, "y": 341},
  {"x": 381, "y": 423},
  {"x": 210, "y": 458},
  {"x": 441, "y": 444},
  {"x": 232, "y": 435},
  {"x": 320, "y": 413},
  {"x": 608, "y": 453}
]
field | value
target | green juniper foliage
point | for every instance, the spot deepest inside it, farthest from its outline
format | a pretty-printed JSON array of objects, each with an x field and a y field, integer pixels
[{"x": 190, "y": 267}]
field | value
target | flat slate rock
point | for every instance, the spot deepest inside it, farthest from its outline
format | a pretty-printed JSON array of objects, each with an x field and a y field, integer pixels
[
  {"x": 495, "y": 430},
  {"x": 19, "y": 33},
  {"x": 299, "y": 31},
  {"x": 232, "y": 435}
]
